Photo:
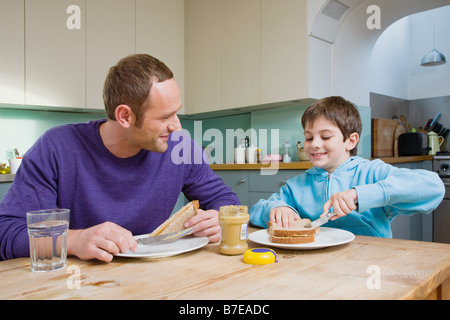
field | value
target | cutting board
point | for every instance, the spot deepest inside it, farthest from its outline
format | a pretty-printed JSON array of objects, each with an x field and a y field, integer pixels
[{"x": 383, "y": 133}]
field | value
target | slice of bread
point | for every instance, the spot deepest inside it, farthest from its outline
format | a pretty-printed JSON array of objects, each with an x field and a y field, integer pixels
[
  {"x": 299, "y": 233},
  {"x": 177, "y": 220},
  {"x": 293, "y": 240}
]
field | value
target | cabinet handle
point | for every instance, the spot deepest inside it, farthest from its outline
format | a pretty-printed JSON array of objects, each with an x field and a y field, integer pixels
[
  {"x": 241, "y": 181},
  {"x": 282, "y": 183}
]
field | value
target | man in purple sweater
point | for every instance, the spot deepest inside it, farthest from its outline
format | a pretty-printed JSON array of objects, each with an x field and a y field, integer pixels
[{"x": 117, "y": 176}]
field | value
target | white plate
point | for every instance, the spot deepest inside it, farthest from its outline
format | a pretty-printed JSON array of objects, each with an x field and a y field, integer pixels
[
  {"x": 182, "y": 245},
  {"x": 327, "y": 237}
]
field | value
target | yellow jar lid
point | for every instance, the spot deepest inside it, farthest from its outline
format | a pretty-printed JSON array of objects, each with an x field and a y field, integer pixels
[{"x": 260, "y": 256}]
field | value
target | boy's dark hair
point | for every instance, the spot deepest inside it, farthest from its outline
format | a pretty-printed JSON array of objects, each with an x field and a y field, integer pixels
[
  {"x": 339, "y": 111},
  {"x": 129, "y": 82}
]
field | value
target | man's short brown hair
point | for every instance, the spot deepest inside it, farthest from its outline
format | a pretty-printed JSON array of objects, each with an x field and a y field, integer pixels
[
  {"x": 129, "y": 83},
  {"x": 337, "y": 110}
]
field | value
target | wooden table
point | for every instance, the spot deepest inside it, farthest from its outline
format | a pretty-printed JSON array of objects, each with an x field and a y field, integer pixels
[{"x": 366, "y": 268}]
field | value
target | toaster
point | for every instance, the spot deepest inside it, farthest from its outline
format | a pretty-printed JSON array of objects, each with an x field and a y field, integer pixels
[{"x": 413, "y": 144}]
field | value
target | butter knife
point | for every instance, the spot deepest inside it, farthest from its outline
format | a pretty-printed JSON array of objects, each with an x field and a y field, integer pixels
[
  {"x": 164, "y": 238},
  {"x": 325, "y": 218},
  {"x": 322, "y": 220}
]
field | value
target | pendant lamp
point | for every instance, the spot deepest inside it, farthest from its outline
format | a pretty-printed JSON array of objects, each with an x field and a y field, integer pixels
[{"x": 434, "y": 57}]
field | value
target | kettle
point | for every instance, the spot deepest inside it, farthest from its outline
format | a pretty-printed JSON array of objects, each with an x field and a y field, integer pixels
[{"x": 434, "y": 142}]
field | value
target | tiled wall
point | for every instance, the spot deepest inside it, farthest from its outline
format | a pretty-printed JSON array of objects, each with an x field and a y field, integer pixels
[
  {"x": 417, "y": 111},
  {"x": 21, "y": 128},
  {"x": 282, "y": 122}
]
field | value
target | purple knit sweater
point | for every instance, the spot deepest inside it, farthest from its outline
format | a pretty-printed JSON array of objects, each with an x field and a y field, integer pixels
[{"x": 70, "y": 167}]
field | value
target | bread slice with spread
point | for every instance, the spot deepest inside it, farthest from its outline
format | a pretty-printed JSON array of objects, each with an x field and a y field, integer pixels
[
  {"x": 301, "y": 232},
  {"x": 176, "y": 221}
]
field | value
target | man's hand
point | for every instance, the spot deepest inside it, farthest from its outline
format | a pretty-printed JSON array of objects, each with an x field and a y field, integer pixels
[
  {"x": 205, "y": 224},
  {"x": 284, "y": 216},
  {"x": 100, "y": 242}
]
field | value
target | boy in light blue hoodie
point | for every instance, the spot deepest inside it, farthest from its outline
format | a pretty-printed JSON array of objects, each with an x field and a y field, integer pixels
[{"x": 366, "y": 195}]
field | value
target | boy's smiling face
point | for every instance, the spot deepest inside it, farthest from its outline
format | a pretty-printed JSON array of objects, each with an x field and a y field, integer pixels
[{"x": 325, "y": 145}]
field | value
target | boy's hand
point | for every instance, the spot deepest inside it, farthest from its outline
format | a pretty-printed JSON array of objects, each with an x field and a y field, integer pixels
[
  {"x": 284, "y": 216},
  {"x": 342, "y": 202}
]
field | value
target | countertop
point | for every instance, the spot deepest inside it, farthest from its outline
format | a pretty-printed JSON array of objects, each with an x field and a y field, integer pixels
[
  {"x": 301, "y": 165},
  {"x": 6, "y": 177},
  {"x": 365, "y": 268},
  {"x": 304, "y": 165}
]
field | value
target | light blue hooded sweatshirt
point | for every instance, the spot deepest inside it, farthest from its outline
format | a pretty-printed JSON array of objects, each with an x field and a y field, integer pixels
[{"x": 384, "y": 191}]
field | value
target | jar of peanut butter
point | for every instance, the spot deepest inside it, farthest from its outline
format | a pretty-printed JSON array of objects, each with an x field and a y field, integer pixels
[{"x": 233, "y": 222}]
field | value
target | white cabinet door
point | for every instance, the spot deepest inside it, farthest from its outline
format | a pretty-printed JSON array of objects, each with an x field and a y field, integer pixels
[
  {"x": 160, "y": 33},
  {"x": 55, "y": 54},
  {"x": 204, "y": 52},
  {"x": 223, "y": 41},
  {"x": 12, "y": 71},
  {"x": 110, "y": 26},
  {"x": 241, "y": 53},
  {"x": 284, "y": 50}
]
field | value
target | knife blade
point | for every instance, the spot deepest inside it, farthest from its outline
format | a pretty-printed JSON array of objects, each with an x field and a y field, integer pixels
[
  {"x": 164, "y": 238},
  {"x": 322, "y": 220}
]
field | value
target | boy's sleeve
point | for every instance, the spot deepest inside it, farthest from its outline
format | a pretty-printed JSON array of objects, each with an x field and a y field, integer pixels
[
  {"x": 402, "y": 191},
  {"x": 259, "y": 213}
]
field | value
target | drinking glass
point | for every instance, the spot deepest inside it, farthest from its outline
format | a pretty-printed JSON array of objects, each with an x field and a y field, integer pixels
[{"x": 47, "y": 232}]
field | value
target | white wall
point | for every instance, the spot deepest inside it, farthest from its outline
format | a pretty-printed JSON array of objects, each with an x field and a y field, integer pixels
[
  {"x": 389, "y": 61},
  {"x": 342, "y": 67},
  {"x": 427, "y": 82},
  {"x": 395, "y": 61}
]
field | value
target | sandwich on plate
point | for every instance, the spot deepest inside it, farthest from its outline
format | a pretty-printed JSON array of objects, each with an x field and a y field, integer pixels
[
  {"x": 301, "y": 232},
  {"x": 177, "y": 220}
]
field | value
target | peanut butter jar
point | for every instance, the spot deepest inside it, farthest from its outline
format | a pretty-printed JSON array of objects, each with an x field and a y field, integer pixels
[{"x": 234, "y": 224}]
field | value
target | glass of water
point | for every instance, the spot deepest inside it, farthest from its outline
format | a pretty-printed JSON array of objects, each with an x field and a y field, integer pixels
[{"x": 47, "y": 231}]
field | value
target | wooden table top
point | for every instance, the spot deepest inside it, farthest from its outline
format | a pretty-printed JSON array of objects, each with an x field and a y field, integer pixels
[{"x": 366, "y": 268}]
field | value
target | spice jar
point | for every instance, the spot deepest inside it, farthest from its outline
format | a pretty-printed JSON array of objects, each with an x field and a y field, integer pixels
[
  {"x": 259, "y": 156},
  {"x": 233, "y": 222}
]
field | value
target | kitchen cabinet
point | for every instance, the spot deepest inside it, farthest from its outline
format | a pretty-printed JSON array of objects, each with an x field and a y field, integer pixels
[
  {"x": 204, "y": 52},
  {"x": 243, "y": 53},
  {"x": 284, "y": 50},
  {"x": 262, "y": 186},
  {"x": 4, "y": 187},
  {"x": 160, "y": 33},
  {"x": 55, "y": 57},
  {"x": 49, "y": 63},
  {"x": 232, "y": 53},
  {"x": 238, "y": 181},
  {"x": 12, "y": 54},
  {"x": 251, "y": 185},
  {"x": 110, "y": 36}
]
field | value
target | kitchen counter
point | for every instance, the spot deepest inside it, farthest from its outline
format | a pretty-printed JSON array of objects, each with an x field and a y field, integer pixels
[
  {"x": 304, "y": 165},
  {"x": 6, "y": 177},
  {"x": 366, "y": 268},
  {"x": 301, "y": 165}
]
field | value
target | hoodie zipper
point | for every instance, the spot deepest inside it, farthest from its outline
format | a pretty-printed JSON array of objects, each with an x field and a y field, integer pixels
[{"x": 327, "y": 192}]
